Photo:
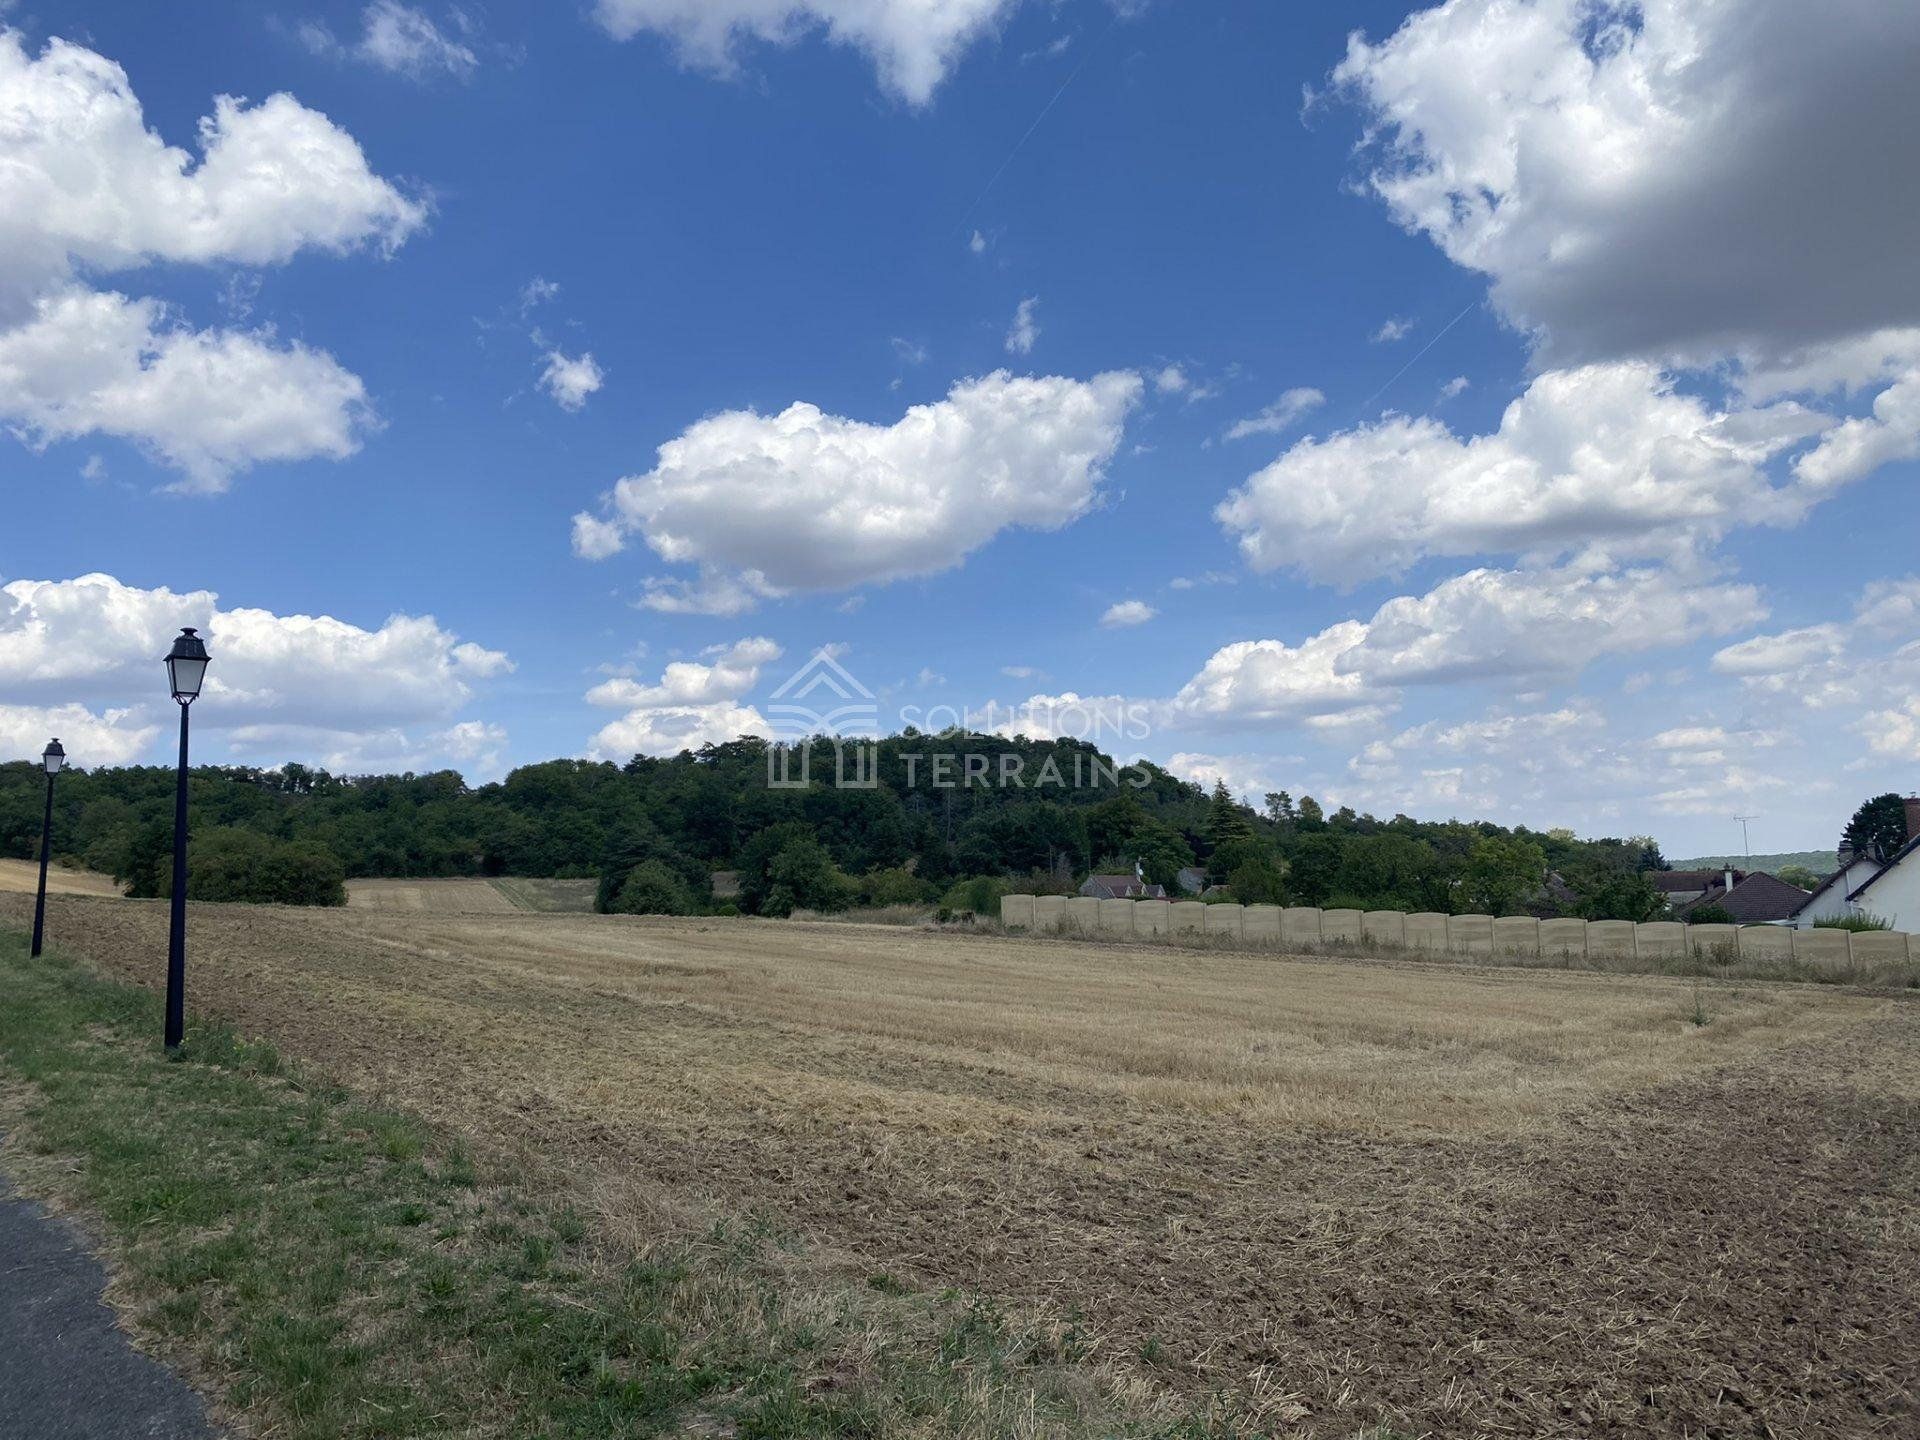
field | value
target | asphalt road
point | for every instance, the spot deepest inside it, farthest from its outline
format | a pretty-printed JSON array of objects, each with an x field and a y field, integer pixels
[{"x": 66, "y": 1369}]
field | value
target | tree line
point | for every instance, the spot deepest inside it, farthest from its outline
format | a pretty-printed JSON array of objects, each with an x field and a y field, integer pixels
[{"x": 1018, "y": 813}]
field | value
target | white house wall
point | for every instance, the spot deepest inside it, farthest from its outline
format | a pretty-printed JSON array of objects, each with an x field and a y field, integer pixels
[
  {"x": 1895, "y": 896},
  {"x": 1832, "y": 903}
]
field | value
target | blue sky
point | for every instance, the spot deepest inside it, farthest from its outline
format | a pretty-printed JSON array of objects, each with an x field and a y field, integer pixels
[{"x": 381, "y": 346}]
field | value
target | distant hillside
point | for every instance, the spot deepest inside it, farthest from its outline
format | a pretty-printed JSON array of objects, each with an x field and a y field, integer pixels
[{"x": 1818, "y": 861}]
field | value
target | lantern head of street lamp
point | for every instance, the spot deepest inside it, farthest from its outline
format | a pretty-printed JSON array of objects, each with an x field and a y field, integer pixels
[
  {"x": 187, "y": 665},
  {"x": 54, "y": 758}
]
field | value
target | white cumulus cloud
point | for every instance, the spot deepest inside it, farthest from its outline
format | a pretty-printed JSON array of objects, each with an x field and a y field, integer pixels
[
  {"x": 1606, "y": 453},
  {"x": 87, "y": 189},
  {"x": 912, "y": 43},
  {"x": 1282, "y": 415},
  {"x": 806, "y": 501},
  {"x": 571, "y": 379},
  {"x": 1126, "y": 613},
  {"x": 1024, "y": 333},
  {"x": 315, "y": 683},
  {"x": 694, "y": 703},
  {"x": 1507, "y": 627}
]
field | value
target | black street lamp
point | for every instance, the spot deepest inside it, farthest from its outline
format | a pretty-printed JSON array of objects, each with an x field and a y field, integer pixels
[
  {"x": 186, "y": 668},
  {"x": 53, "y": 757}
]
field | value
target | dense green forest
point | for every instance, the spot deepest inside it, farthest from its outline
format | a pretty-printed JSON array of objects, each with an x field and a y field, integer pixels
[{"x": 1008, "y": 813}]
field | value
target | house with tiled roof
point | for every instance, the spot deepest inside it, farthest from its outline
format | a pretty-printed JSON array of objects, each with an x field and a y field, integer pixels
[
  {"x": 1122, "y": 887},
  {"x": 1681, "y": 888},
  {"x": 1751, "y": 899},
  {"x": 1886, "y": 890}
]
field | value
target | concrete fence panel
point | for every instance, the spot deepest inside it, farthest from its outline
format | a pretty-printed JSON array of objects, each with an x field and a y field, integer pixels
[
  {"x": 1564, "y": 939},
  {"x": 1226, "y": 920},
  {"x": 1427, "y": 930},
  {"x": 1016, "y": 912},
  {"x": 1470, "y": 934},
  {"x": 1880, "y": 947},
  {"x": 1340, "y": 927},
  {"x": 1049, "y": 912},
  {"x": 1116, "y": 917},
  {"x": 1660, "y": 940},
  {"x": 1152, "y": 917},
  {"x": 1083, "y": 914},
  {"x": 1516, "y": 935},
  {"x": 1611, "y": 940},
  {"x": 1716, "y": 943},
  {"x": 1261, "y": 923},
  {"x": 1766, "y": 942},
  {"x": 1189, "y": 917},
  {"x": 1384, "y": 927},
  {"x": 1823, "y": 947},
  {"x": 1300, "y": 925}
]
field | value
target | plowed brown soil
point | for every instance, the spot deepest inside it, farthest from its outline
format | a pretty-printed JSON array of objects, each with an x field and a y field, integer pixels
[{"x": 1460, "y": 1202}]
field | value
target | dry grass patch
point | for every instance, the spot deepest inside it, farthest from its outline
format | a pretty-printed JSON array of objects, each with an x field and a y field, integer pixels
[{"x": 22, "y": 877}]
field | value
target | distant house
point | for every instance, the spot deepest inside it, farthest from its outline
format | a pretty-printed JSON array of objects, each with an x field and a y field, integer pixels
[
  {"x": 1755, "y": 899},
  {"x": 1864, "y": 886},
  {"x": 1122, "y": 887},
  {"x": 1682, "y": 888},
  {"x": 1889, "y": 892},
  {"x": 1829, "y": 898}
]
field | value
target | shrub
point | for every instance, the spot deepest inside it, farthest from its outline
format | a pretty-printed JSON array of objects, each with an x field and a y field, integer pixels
[
  {"x": 981, "y": 895},
  {"x": 227, "y": 865},
  {"x": 652, "y": 888},
  {"x": 894, "y": 887},
  {"x": 1710, "y": 915},
  {"x": 1856, "y": 923}
]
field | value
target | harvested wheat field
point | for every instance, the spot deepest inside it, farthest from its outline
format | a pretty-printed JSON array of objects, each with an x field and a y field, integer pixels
[
  {"x": 1451, "y": 1201},
  {"x": 439, "y": 897},
  {"x": 22, "y": 877}
]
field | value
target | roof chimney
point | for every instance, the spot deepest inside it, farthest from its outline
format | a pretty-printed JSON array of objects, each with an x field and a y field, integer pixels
[
  {"x": 1913, "y": 817},
  {"x": 1729, "y": 877}
]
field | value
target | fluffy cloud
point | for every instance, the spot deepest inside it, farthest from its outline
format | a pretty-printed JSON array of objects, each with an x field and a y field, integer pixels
[
  {"x": 89, "y": 189},
  {"x": 111, "y": 737},
  {"x": 1280, "y": 416},
  {"x": 317, "y": 684},
  {"x": 1024, "y": 333},
  {"x": 912, "y": 43},
  {"x": 1867, "y": 670},
  {"x": 1247, "y": 776},
  {"x": 400, "y": 39},
  {"x": 87, "y": 183},
  {"x": 1606, "y": 453},
  {"x": 1680, "y": 179},
  {"x": 570, "y": 379},
  {"x": 1696, "y": 184},
  {"x": 1569, "y": 765},
  {"x": 1507, "y": 626},
  {"x": 206, "y": 403},
  {"x": 803, "y": 500},
  {"x": 693, "y": 704},
  {"x": 1126, "y": 613}
]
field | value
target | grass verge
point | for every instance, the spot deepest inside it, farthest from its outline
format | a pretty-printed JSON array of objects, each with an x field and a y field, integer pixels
[{"x": 323, "y": 1269}]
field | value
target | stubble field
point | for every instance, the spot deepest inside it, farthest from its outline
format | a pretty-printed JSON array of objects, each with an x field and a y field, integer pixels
[{"x": 1457, "y": 1201}]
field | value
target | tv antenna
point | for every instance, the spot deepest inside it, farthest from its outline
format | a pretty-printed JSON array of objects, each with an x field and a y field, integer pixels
[{"x": 1746, "y": 844}]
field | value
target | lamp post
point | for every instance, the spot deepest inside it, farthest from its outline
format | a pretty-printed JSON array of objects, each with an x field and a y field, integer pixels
[
  {"x": 186, "y": 668},
  {"x": 53, "y": 757}
]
